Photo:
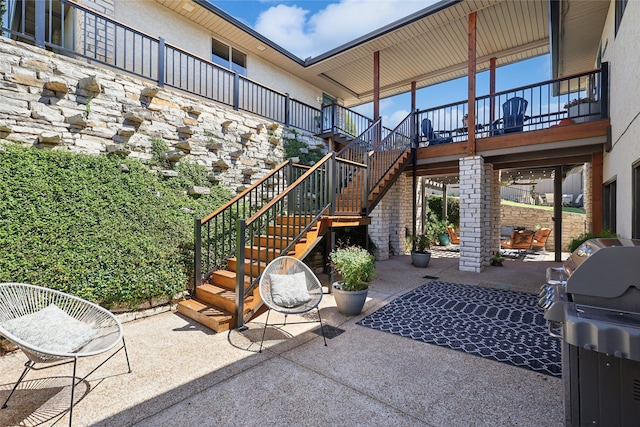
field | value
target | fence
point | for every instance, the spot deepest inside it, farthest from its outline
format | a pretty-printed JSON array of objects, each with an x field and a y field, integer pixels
[
  {"x": 76, "y": 31},
  {"x": 574, "y": 99}
]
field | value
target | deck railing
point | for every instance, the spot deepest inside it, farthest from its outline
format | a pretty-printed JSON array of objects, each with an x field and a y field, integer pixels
[
  {"x": 216, "y": 240},
  {"x": 574, "y": 99},
  {"x": 71, "y": 29},
  {"x": 278, "y": 226}
]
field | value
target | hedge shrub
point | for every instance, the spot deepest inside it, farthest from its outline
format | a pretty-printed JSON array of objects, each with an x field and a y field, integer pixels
[{"x": 79, "y": 224}]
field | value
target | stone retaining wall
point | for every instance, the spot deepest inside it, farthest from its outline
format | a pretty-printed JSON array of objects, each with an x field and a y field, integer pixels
[
  {"x": 573, "y": 224},
  {"x": 53, "y": 101}
]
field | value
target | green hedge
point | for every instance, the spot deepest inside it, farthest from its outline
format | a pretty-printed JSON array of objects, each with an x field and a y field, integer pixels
[
  {"x": 79, "y": 224},
  {"x": 453, "y": 208}
]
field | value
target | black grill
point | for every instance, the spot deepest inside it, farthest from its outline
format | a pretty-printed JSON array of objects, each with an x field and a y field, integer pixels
[{"x": 592, "y": 303}]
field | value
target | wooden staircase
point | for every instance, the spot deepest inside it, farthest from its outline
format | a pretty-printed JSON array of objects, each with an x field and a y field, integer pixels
[
  {"x": 214, "y": 301},
  {"x": 338, "y": 191}
]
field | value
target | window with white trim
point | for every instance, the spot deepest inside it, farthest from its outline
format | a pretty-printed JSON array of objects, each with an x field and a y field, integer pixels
[{"x": 228, "y": 57}]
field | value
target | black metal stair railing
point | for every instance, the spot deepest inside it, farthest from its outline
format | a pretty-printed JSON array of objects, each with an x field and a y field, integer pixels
[
  {"x": 215, "y": 235},
  {"x": 279, "y": 225},
  {"x": 385, "y": 156}
]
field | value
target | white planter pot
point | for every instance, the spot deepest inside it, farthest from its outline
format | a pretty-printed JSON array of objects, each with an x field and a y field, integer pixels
[
  {"x": 349, "y": 303},
  {"x": 587, "y": 111}
]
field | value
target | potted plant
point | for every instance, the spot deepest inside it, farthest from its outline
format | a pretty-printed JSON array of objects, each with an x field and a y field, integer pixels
[
  {"x": 583, "y": 109},
  {"x": 420, "y": 255},
  {"x": 357, "y": 268},
  {"x": 440, "y": 230},
  {"x": 497, "y": 259}
]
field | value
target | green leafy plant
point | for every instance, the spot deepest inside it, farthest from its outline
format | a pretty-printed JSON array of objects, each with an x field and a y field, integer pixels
[
  {"x": 356, "y": 266},
  {"x": 159, "y": 148},
  {"x": 578, "y": 101},
  {"x": 497, "y": 258},
  {"x": 295, "y": 147},
  {"x": 579, "y": 240},
  {"x": 78, "y": 224},
  {"x": 422, "y": 243}
]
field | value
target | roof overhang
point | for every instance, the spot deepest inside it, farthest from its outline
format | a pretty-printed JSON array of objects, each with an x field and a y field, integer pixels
[
  {"x": 427, "y": 47},
  {"x": 576, "y": 31}
]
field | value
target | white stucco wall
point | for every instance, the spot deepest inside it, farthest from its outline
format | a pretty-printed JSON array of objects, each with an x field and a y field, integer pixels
[
  {"x": 158, "y": 21},
  {"x": 624, "y": 63}
]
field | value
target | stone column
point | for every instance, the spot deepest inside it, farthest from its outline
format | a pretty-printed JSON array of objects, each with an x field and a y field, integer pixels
[
  {"x": 402, "y": 215},
  {"x": 379, "y": 228},
  {"x": 476, "y": 182}
]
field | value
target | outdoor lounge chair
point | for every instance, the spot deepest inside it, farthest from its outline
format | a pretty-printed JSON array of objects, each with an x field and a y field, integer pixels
[
  {"x": 519, "y": 240},
  {"x": 288, "y": 286},
  {"x": 453, "y": 237},
  {"x": 433, "y": 138},
  {"x": 55, "y": 328},
  {"x": 513, "y": 117},
  {"x": 540, "y": 239}
]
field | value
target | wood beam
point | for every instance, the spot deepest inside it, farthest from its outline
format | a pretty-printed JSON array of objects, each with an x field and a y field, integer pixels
[
  {"x": 471, "y": 73},
  {"x": 596, "y": 192},
  {"x": 376, "y": 85}
]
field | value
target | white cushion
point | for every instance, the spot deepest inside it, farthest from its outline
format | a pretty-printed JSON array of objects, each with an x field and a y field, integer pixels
[
  {"x": 51, "y": 329},
  {"x": 289, "y": 290}
]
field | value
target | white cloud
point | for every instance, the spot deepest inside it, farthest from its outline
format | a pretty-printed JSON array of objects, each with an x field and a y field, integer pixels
[{"x": 293, "y": 28}]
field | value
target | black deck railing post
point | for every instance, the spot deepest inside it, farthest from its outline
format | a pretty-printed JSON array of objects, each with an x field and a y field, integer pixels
[
  {"x": 287, "y": 110},
  {"x": 604, "y": 90},
  {"x": 241, "y": 241},
  {"x": 40, "y": 23},
  {"x": 161, "y": 62},
  {"x": 332, "y": 170},
  {"x": 236, "y": 91},
  {"x": 197, "y": 255}
]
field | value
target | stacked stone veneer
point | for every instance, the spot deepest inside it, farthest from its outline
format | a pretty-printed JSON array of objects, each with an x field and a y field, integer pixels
[
  {"x": 56, "y": 102},
  {"x": 392, "y": 218},
  {"x": 573, "y": 224},
  {"x": 476, "y": 228}
]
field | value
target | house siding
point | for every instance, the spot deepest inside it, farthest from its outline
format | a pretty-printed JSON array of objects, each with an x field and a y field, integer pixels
[
  {"x": 158, "y": 21},
  {"x": 624, "y": 64}
]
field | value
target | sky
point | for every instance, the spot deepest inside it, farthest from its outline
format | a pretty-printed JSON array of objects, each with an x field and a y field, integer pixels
[{"x": 308, "y": 28}]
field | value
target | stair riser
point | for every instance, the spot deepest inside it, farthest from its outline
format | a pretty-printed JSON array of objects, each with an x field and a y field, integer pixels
[
  {"x": 208, "y": 321},
  {"x": 272, "y": 242}
]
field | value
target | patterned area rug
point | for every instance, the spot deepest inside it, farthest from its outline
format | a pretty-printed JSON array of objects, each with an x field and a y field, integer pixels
[{"x": 497, "y": 324}]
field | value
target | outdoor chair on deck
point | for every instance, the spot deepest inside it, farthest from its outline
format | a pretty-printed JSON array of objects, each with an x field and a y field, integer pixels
[
  {"x": 513, "y": 117},
  {"x": 288, "y": 286},
  {"x": 453, "y": 237},
  {"x": 50, "y": 326},
  {"x": 433, "y": 138},
  {"x": 540, "y": 239},
  {"x": 519, "y": 240}
]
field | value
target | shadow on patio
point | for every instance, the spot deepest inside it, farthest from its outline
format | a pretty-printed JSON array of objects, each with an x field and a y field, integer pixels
[{"x": 185, "y": 375}]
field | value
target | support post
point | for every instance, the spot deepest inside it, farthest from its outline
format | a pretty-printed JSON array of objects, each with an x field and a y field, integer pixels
[
  {"x": 240, "y": 243},
  {"x": 376, "y": 85},
  {"x": 197, "y": 255},
  {"x": 161, "y": 62},
  {"x": 40, "y": 22},
  {"x": 557, "y": 213},
  {"x": 471, "y": 94},
  {"x": 236, "y": 91}
]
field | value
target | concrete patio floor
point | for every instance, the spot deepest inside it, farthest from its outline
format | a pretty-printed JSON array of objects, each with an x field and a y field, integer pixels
[{"x": 186, "y": 375}]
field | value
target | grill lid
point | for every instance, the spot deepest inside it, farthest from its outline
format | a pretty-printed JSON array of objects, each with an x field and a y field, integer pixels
[{"x": 604, "y": 268}]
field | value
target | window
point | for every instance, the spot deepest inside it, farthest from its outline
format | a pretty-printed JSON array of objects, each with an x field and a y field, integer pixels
[
  {"x": 228, "y": 57},
  {"x": 620, "y": 7},
  {"x": 609, "y": 206},
  {"x": 635, "y": 200}
]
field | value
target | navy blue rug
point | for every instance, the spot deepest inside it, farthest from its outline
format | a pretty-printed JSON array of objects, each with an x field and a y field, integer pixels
[{"x": 496, "y": 324}]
